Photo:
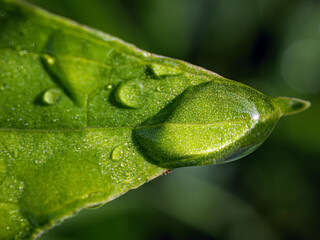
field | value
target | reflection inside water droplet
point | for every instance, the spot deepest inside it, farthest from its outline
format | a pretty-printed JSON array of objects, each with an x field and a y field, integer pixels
[
  {"x": 255, "y": 116},
  {"x": 51, "y": 96},
  {"x": 132, "y": 94}
]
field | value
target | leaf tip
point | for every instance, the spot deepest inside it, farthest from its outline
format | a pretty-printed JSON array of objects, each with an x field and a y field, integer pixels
[{"x": 289, "y": 106}]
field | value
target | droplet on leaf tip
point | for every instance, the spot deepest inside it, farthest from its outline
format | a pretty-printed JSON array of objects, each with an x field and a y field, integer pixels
[{"x": 288, "y": 106}]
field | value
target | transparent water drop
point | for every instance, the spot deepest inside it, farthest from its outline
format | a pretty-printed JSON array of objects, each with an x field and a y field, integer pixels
[
  {"x": 51, "y": 96},
  {"x": 96, "y": 206},
  {"x": 132, "y": 94},
  {"x": 23, "y": 52},
  {"x": 118, "y": 153},
  {"x": 49, "y": 60}
]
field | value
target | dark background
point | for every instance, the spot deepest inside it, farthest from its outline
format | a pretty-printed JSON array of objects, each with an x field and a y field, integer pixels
[{"x": 271, "y": 45}]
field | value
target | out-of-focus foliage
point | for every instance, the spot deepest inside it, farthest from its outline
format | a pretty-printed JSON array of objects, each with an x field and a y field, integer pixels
[{"x": 271, "y": 45}]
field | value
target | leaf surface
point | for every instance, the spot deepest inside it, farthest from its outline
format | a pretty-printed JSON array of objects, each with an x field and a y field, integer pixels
[{"x": 85, "y": 117}]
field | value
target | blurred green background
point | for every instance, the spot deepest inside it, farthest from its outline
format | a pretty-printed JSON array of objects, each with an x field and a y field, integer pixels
[{"x": 271, "y": 45}]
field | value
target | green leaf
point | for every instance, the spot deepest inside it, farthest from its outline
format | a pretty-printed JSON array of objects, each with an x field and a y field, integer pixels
[{"x": 85, "y": 117}]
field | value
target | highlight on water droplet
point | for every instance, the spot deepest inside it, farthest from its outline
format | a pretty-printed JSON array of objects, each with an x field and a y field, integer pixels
[
  {"x": 132, "y": 94},
  {"x": 49, "y": 60},
  {"x": 51, "y": 96}
]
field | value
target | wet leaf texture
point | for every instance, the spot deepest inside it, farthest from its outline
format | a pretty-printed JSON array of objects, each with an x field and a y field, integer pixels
[{"x": 85, "y": 117}]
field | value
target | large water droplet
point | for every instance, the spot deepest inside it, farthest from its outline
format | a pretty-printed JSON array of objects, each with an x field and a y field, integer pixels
[
  {"x": 207, "y": 124},
  {"x": 132, "y": 94},
  {"x": 51, "y": 96}
]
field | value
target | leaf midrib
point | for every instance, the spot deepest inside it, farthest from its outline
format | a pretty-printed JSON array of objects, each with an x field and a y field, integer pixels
[{"x": 134, "y": 127}]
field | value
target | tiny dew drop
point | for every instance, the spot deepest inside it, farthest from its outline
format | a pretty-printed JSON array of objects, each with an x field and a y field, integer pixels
[
  {"x": 96, "y": 206},
  {"x": 23, "y": 52},
  {"x": 117, "y": 153},
  {"x": 49, "y": 60},
  {"x": 51, "y": 96},
  {"x": 132, "y": 94}
]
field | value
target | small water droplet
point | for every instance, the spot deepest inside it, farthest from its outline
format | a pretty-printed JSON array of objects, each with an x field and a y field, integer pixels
[
  {"x": 132, "y": 94},
  {"x": 98, "y": 205},
  {"x": 110, "y": 86},
  {"x": 51, "y": 96},
  {"x": 50, "y": 60},
  {"x": 146, "y": 54},
  {"x": 117, "y": 153},
  {"x": 37, "y": 162},
  {"x": 23, "y": 52}
]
